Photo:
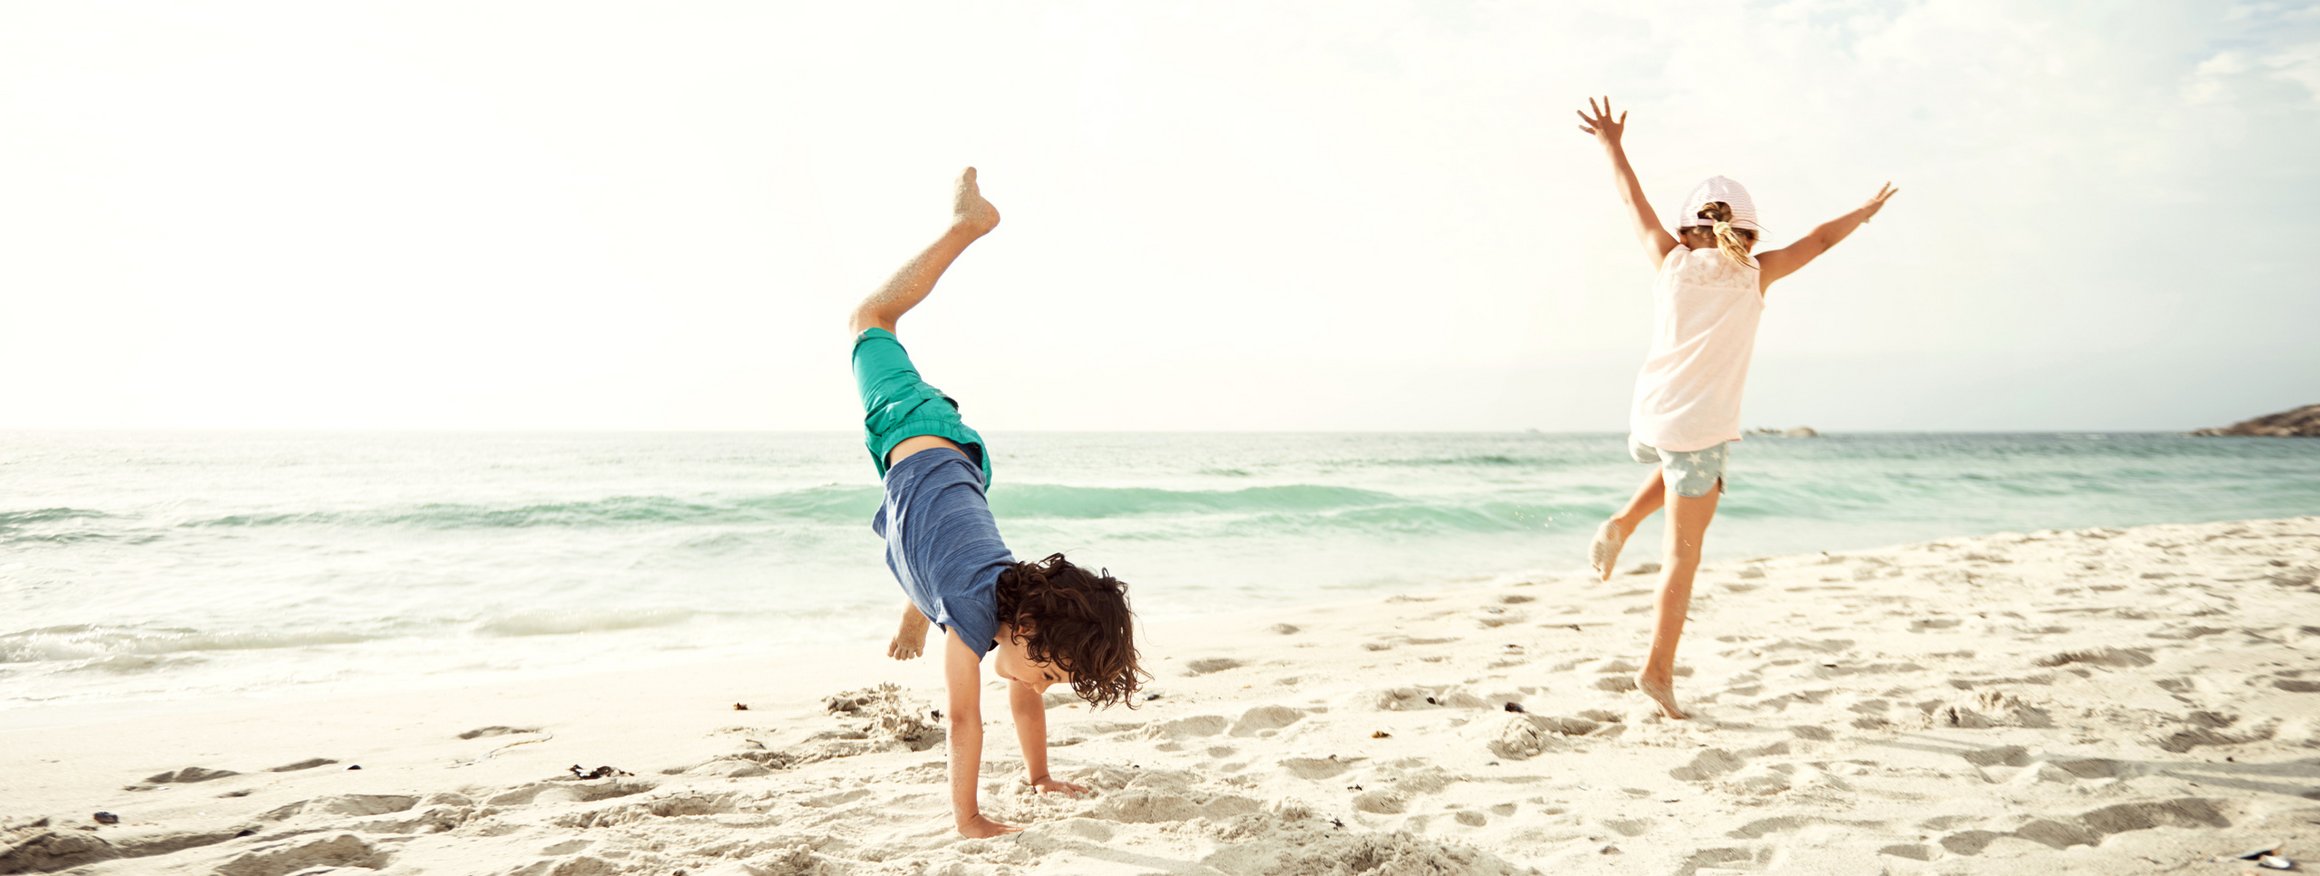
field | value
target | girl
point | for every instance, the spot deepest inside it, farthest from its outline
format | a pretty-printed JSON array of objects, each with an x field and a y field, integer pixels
[{"x": 1705, "y": 303}]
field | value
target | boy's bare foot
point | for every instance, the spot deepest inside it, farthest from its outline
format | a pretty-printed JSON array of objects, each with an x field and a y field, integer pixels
[
  {"x": 1662, "y": 690},
  {"x": 1603, "y": 554},
  {"x": 969, "y": 210},
  {"x": 979, "y": 827},
  {"x": 910, "y": 640}
]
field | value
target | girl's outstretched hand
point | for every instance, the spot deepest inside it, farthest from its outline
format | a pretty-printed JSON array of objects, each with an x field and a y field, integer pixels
[
  {"x": 1877, "y": 203},
  {"x": 1605, "y": 128}
]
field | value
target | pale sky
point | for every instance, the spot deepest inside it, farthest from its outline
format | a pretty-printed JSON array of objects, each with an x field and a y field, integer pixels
[{"x": 1219, "y": 216}]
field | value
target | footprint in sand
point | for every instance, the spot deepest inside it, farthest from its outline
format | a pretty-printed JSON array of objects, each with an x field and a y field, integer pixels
[
  {"x": 2110, "y": 657},
  {"x": 677, "y": 806},
  {"x": 1911, "y": 851},
  {"x": 1764, "y": 827},
  {"x": 1137, "y": 805},
  {"x": 1390, "y": 788},
  {"x": 1986, "y": 709},
  {"x": 1812, "y": 733},
  {"x": 342, "y": 805},
  {"x": 1628, "y": 826},
  {"x": 184, "y": 776},
  {"x": 1493, "y": 616},
  {"x": 2205, "y": 728},
  {"x": 2004, "y": 755},
  {"x": 2093, "y": 826},
  {"x": 1615, "y": 683},
  {"x": 1313, "y": 845},
  {"x": 1380, "y": 802},
  {"x": 1266, "y": 720},
  {"x": 1187, "y": 728},
  {"x": 1207, "y": 665},
  {"x": 1316, "y": 768},
  {"x": 1708, "y": 765},
  {"x": 568, "y": 791},
  {"x": 1705, "y": 859},
  {"x": 1518, "y": 737},
  {"x": 1403, "y": 699},
  {"x": 301, "y": 855}
]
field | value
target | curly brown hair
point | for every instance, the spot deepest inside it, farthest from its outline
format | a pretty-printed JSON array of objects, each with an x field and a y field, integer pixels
[{"x": 1079, "y": 621}]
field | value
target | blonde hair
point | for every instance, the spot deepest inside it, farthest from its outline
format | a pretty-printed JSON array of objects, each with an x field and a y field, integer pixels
[{"x": 1733, "y": 241}]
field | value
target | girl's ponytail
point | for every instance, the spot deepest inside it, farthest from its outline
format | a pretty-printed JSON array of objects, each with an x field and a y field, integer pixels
[{"x": 1733, "y": 241}]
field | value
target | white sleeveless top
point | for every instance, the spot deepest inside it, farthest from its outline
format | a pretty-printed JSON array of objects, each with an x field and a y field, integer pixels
[{"x": 1704, "y": 314}]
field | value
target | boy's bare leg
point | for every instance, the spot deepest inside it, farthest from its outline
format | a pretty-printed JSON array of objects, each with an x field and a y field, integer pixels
[
  {"x": 910, "y": 640},
  {"x": 1687, "y": 528},
  {"x": 972, "y": 216}
]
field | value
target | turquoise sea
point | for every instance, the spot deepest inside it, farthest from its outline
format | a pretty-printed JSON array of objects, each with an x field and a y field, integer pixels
[{"x": 198, "y": 564}]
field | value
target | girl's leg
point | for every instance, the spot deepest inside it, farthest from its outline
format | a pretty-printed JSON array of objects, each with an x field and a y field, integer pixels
[
  {"x": 1648, "y": 498},
  {"x": 1687, "y": 528},
  {"x": 1604, "y": 553}
]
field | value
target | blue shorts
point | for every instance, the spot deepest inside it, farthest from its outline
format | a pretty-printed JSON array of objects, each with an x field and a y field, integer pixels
[{"x": 1688, "y": 473}]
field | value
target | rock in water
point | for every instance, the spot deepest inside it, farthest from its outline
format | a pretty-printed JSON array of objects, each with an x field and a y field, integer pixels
[
  {"x": 2303, "y": 422},
  {"x": 1800, "y": 432}
]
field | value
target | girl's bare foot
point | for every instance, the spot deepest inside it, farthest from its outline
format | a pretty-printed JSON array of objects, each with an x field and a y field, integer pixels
[
  {"x": 910, "y": 639},
  {"x": 1662, "y": 690},
  {"x": 1603, "y": 554},
  {"x": 969, "y": 210}
]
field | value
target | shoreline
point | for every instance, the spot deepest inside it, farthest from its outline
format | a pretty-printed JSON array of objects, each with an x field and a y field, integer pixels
[{"x": 2050, "y": 699}]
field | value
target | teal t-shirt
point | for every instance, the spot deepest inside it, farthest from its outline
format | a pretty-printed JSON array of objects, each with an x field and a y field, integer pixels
[{"x": 898, "y": 405}]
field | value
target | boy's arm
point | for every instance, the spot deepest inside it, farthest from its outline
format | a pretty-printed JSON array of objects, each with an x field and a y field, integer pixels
[
  {"x": 1030, "y": 707},
  {"x": 963, "y": 674},
  {"x": 1788, "y": 259}
]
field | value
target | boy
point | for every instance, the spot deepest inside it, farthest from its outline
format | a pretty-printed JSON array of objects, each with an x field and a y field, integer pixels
[{"x": 1041, "y": 623}]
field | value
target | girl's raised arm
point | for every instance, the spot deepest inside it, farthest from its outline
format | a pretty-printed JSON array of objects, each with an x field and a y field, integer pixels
[
  {"x": 1606, "y": 130},
  {"x": 1788, "y": 259}
]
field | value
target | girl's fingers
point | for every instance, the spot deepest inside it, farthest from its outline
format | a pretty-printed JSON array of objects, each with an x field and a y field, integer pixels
[
  {"x": 1591, "y": 106},
  {"x": 1586, "y": 129},
  {"x": 1623, "y": 117}
]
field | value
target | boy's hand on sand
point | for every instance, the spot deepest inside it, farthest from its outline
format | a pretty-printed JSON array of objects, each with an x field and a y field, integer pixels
[
  {"x": 979, "y": 827},
  {"x": 969, "y": 209},
  {"x": 904, "y": 648},
  {"x": 1878, "y": 203},
  {"x": 909, "y": 640},
  {"x": 1047, "y": 784},
  {"x": 1601, "y": 124}
]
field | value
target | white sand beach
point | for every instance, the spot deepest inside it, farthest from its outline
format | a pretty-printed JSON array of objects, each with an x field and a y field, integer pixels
[{"x": 2093, "y": 701}]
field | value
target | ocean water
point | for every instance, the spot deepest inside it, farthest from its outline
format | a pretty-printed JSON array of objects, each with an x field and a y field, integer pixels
[{"x": 203, "y": 564}]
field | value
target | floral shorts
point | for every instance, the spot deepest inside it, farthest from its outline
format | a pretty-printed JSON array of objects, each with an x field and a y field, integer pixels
[{"x": 1690, "y": 473}]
